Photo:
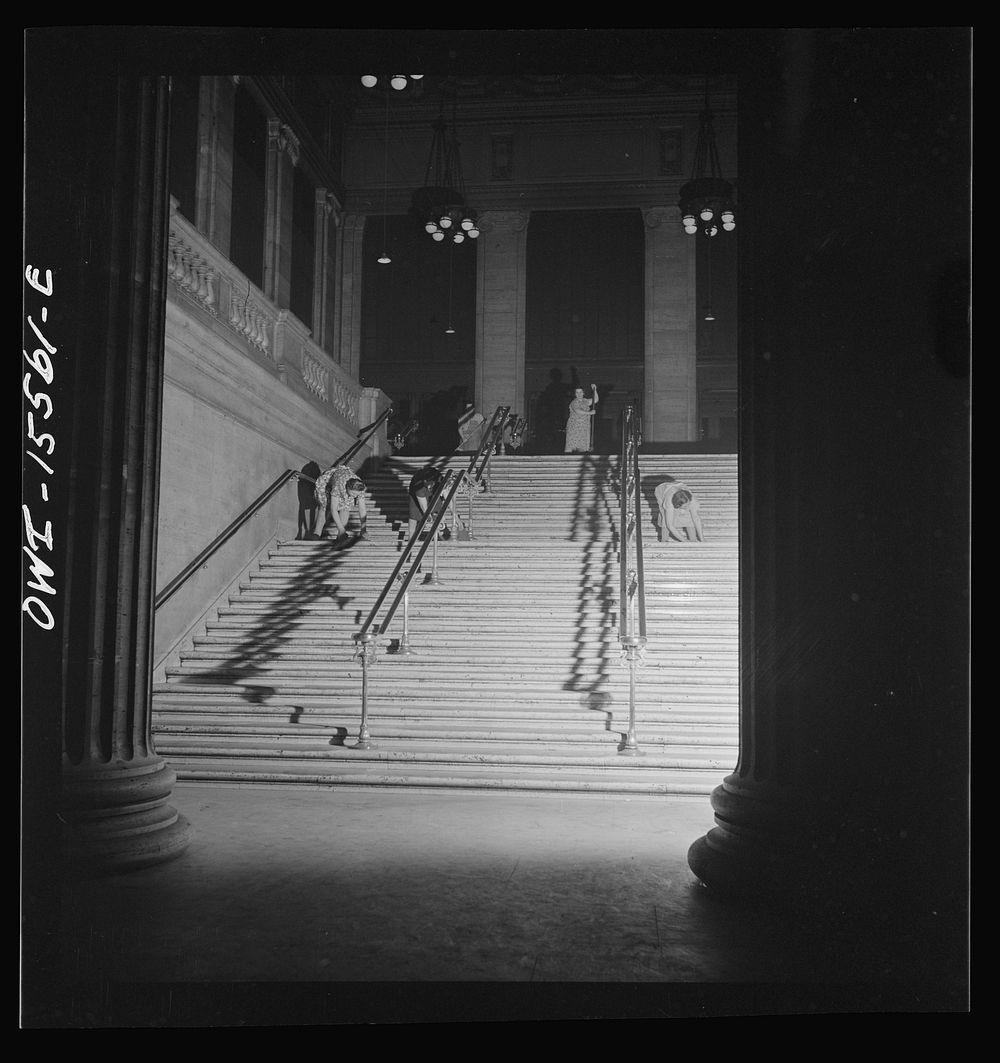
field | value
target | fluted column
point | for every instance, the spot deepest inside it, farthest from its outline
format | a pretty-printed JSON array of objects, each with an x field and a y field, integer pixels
[
  {"x": 214, "y": 179},
  {"x": 671, "y": 359},
  {"x": 282, "y": 157},
  {"x": 324, "y": 224},
  {"x": 350, "y": 274},
  {"x": 104, "y": 334},
  {"x": 372, "y": 403},
  {"x": 500, "y": 308},
  {"x": 853, "y": 498}
]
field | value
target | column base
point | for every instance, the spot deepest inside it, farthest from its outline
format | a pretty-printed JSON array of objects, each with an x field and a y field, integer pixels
[
  {"x": 116, "y": 817},
  {"x": 771, "y": 844}
]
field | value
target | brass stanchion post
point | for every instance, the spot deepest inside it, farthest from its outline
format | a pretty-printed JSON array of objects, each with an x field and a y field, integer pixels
[
  {"x": 471, "y": 488},
  {"x": 433, "y": 577},
  {"x": 367, "y": 649},
  {"x": 404, "y": 639},
  {"x": 633, "y": 648}
]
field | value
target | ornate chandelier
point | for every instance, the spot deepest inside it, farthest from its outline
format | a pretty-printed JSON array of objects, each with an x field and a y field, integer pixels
[
  {"x": 440, "y": 204},
  {"x": 708, "y": 201}
]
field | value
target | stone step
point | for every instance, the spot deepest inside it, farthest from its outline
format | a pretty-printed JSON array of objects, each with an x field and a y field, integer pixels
[
  {"x": 427, "y": 664},
  {"x": 604, "y": 688},
  {"x": 432, "y": 654},
  {"x": 611, "y": 779},
  {"x": 663, "y": 629},
  {"x": 474, "y": 733},
  {"x": 347, "y": 705},
  {"x": 603, "y": 691},
  {"x": 317, "y": 638},
  {"x": 558, "y": 577},
  {"x": 498, "y": 591},
  {"x": 522, "y": 755},
  {"x": 508, "y": 645},
  {"x": 392, "y": 688},
  {"x": 440, "y": 722},
  {"x": 499, "y": 601}
]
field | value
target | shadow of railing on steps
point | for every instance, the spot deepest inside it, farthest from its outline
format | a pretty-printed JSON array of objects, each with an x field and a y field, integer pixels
[
  {"x": 258, "y": 503},
  {"x": 590, "y": 673}
]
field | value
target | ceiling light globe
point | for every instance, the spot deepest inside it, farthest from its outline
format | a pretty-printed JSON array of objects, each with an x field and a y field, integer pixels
[
  {"x": 438, "y": 235},
  {"x": 690, "y": 229},
  {"x": 459, "y": 236},
  {"x": 431, "y": 227},
  {"x": 706, "y": 214},
  {"x": 711, "y": 230},
  {"x": 729, "y": 226},
  {"x": 687, "y": 220},
  {"x": 369, "y": 81},
  {"x": 473, "y": 233},
  {"x": 416, "y": 77},
  {"x": 398, "y": 81},
  {"x": 444, "y": 221},
  {"x": 726, "y": 215},
  {"x": 467, "y": 224}
]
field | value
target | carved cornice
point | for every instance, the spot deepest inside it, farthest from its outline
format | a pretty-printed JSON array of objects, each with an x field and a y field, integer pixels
[
  {"x": 543, "y": 97},
  {"x": 283, "y": 138},
  {"x": 657, "y": 216},
  {"x": 514, "y": 221},
  {"x": 292, "y": 143},
  {"x": 328, "y": 203},
  {"x": 353, "y": 224},
  {"x": 661, "y": 192}
]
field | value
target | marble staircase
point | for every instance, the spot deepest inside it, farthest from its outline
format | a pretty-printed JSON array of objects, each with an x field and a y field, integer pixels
[{"x": 513, "y": 679}]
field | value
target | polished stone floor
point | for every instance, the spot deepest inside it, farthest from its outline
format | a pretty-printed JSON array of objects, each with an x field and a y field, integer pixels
[{"x": 323, "y": 907}]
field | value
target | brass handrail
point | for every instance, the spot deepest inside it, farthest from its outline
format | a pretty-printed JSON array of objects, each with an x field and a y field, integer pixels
[
  {"x": 632, "y": 595},
  {"x": 189, "y": 569},
  {"x": 450, "y": 483},
  {"x": 369, "y": 633},
  {"x": 445, "y": 492},
  {"x": 487, "y": 445}
]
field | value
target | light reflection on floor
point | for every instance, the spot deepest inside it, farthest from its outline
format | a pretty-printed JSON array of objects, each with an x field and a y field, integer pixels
[{"x": 373, "y": 900}]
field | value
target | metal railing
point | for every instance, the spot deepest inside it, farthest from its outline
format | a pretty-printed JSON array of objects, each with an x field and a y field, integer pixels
[
  {"x": 408, "y": 564},
  {"x": 478, "y": 474},
  {"x": 289, "y": 474},
  {"x": 632, "y": 596}
]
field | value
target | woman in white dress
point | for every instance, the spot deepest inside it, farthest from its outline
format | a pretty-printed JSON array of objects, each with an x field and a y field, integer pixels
[{"x": 578, "y": 427}]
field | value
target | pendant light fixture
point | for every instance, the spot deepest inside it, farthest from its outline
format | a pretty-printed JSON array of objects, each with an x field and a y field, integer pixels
[
  {"x": 707, "y": 201},
  {"x": 708, "y": 315},
  {"x": 450, "y": 331},
  {"x": 384, "y": 258},
  {"x": 439, "y": 205}
]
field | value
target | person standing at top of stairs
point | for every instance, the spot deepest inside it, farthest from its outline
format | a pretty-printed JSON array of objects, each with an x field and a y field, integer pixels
[
  {"x": 580, "y": 424},
  {"x": 338, "y": 491}
]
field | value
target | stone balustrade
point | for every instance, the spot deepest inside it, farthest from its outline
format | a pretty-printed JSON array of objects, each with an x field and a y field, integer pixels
[{"x": 203, "y": 274}]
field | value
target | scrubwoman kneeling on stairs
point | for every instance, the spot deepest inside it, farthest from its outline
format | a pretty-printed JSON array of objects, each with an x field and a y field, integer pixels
[
  {"x": 339, "y": 491},
  {"x": 680, "y": 516}
]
